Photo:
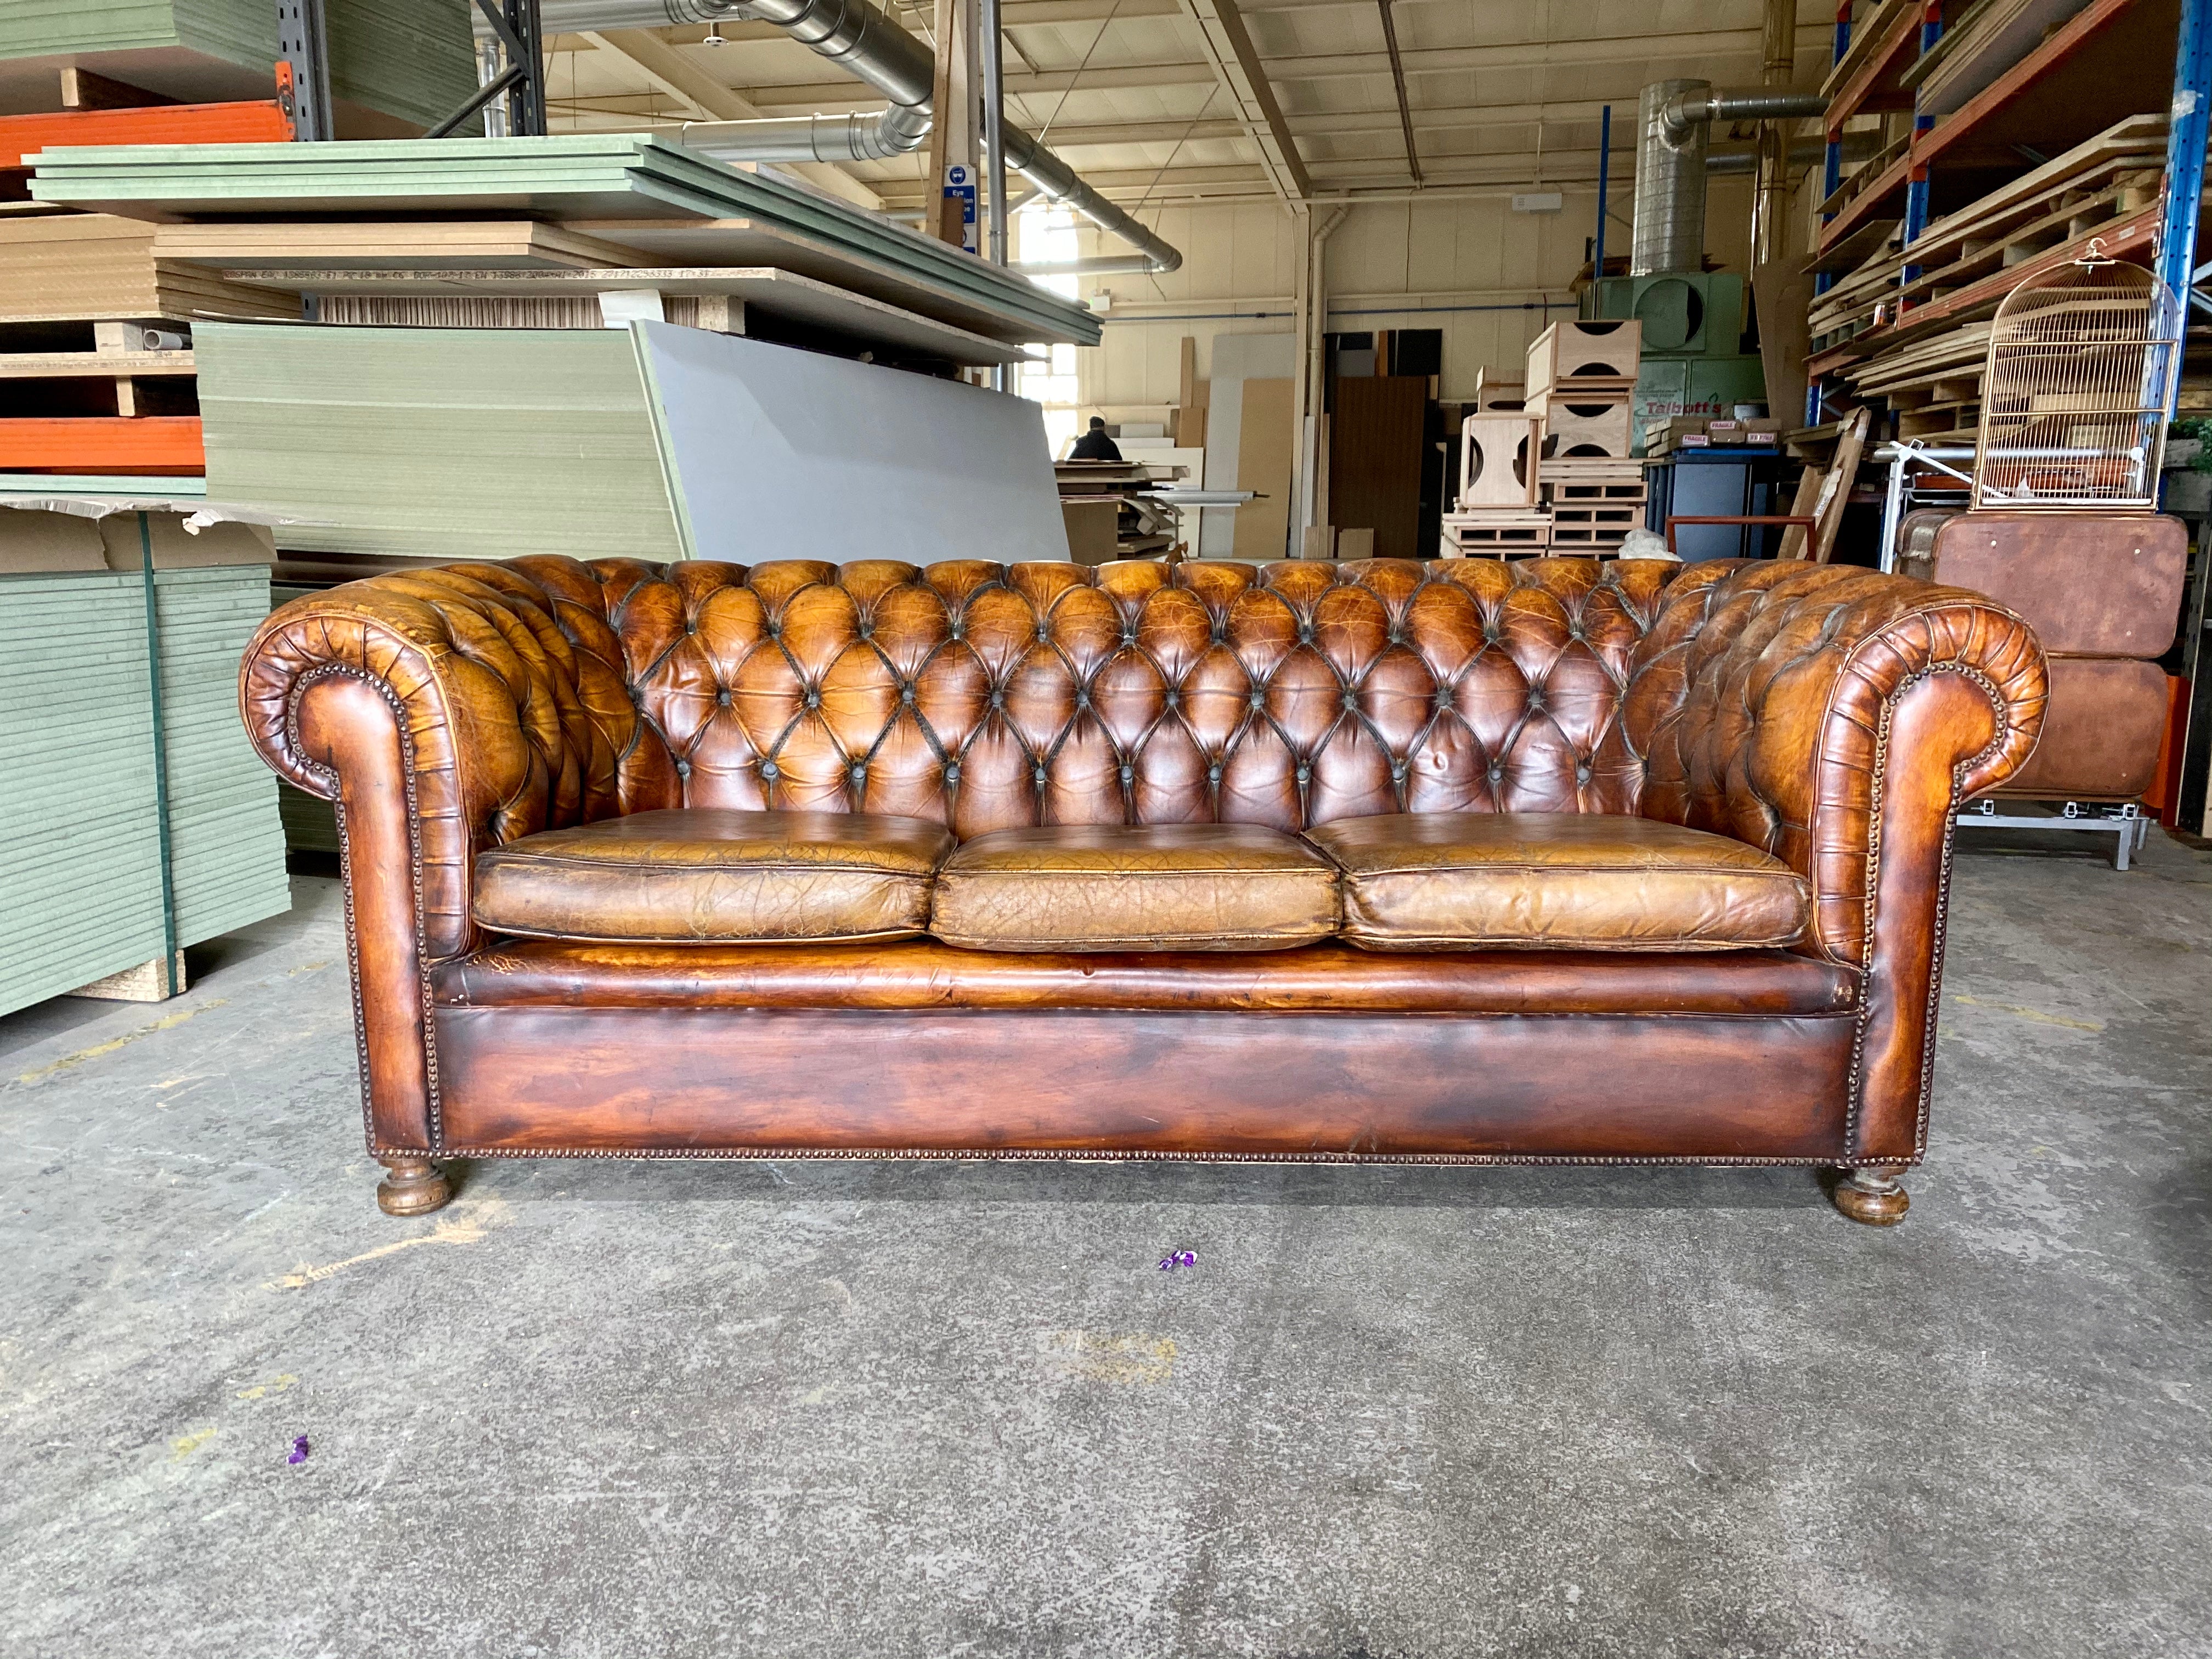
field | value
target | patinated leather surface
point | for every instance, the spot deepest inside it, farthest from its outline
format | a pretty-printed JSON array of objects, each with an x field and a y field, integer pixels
[
  {"x": 709, "y": 874},
  {"x": 1762, "y": 704},
  {"x": 1135, "y": 887},
  {"x": 1828, "y": 716},
  {"x": 1113, "y": 1083},
  {"x": 1453, "y": 881},
  {"x": 2101, "y": 736},
  {"x": 2088, "y": 585},
  {"x": 925, "y": 974}
]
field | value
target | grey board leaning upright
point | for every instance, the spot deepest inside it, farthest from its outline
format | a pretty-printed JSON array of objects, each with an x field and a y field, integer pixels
[{"x": 656, "y": 442}]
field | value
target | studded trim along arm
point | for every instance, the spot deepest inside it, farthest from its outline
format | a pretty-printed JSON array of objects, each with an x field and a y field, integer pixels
[{"x": 1837, "y": 718}]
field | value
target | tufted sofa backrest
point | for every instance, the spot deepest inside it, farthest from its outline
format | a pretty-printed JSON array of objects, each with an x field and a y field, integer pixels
[{"x": 985, "y": 697}]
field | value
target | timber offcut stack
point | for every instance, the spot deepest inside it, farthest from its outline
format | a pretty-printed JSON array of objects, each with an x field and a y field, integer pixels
[
  {"x": 2028, "y": 134},
  {"x": 1923, "y": 313},
  {"x": 1551, "y": 472}
]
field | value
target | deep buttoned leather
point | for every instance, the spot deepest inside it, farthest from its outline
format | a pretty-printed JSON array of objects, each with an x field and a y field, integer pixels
[
  {"x": 1135, "y": 887},
  {"x": 702, "y": 875},
  {"x": 1830, "y": 716},
  {"x": 1470, "y": 881}
]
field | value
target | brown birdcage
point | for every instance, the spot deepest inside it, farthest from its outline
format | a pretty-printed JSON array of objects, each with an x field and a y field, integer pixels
[{"x": 2074, "y": 396}]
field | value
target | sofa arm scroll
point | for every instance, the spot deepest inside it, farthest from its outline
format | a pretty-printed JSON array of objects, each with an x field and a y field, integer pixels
[
  {"x": 444, "y": 711},
  {"x": 1836, "y": 717}
]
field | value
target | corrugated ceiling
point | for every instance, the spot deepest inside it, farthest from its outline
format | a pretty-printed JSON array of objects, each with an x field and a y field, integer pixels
[{"x": 1503, "y": 93}]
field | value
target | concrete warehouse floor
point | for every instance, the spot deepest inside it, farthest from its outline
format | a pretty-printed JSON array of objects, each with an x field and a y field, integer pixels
[{"x": 848, "y": 1409}]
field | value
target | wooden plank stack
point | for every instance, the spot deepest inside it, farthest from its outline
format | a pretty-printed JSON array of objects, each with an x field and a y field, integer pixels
[
  {"x": 1909, "y": 328},
  {"x": 97, "y": 367},
  {"x": 1552, "y": 472}
]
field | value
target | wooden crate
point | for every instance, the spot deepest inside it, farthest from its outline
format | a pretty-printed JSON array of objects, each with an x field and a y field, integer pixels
[
  {"x": 1493, "y": 534},
  {"x": 1598, "y": 353},
  {"x": 1498, "y": 460},
  {"x": 1597, "y": 427}
]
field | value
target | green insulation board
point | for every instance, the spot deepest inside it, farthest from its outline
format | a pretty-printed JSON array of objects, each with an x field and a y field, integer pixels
[
  {"x": 605, "y": 181},
  {"x": 410, "y": 62},
  {"x": 80, "y": 833},
  {"x": 656, "y": 442}
]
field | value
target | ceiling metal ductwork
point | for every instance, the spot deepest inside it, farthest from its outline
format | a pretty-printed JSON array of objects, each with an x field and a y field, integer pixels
[
  {"x": 870, "y": 45},
  {"x": 1675, "y": 118}
]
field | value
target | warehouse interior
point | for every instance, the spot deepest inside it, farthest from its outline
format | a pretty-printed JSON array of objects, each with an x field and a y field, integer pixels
[{"x": 1327, "y": 828}]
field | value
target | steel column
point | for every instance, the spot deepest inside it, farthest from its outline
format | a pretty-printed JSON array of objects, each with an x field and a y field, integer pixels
[
  {"x": 1604, "y": 159},
  {"x": 2184, "y": 165}
]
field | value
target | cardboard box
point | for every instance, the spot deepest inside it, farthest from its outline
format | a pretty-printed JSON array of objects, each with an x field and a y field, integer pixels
[
  {"x": 1093, "y": 528},
  {"x": 1355, "y": 543},
  {"x": 176, "y": 548},
  {"x": 32, "y": 541}
]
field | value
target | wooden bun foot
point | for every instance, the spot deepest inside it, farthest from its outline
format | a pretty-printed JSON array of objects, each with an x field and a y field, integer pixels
[
  {"x": 415, "y": 1187},
  {"x": 1873, "y": 1196}
]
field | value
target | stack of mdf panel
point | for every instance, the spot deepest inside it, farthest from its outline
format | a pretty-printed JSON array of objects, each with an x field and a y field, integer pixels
[
  {"x": 631, "y": 212},
  {"x": 95, "y": 328},
  {"x": 653, "y": 441},
  {"x": 1581, "y": 380},
  {"x": 398, "y": 67},
  {"x": 81, "y": 897}
]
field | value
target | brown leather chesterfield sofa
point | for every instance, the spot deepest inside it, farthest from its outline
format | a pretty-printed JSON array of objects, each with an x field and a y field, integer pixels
[{"x": 1467, "y": 862}]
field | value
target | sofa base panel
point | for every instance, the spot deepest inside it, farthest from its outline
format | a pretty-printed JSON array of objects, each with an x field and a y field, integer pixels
[{"x": 706, "y": 1083}]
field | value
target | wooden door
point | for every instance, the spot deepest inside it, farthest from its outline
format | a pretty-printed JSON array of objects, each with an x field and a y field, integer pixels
[{"x": 1374, "y": 461}]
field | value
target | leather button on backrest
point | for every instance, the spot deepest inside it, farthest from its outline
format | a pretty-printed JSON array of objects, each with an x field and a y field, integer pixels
[
  {"x": 767, "y": 770},
  {"x": 1128, "y": 773},
  {"x": 998, "y": 698},
  {"x": 1213, "y": 773},
  {"x": 906, "y": 695},
  {"x": 683, "y": 768},
  {"x": 722, "y": 696},
  {"x": 1304, "y": 772},
  {"x": 813, "y": 699},
  {"x": 952, "y": 772}
]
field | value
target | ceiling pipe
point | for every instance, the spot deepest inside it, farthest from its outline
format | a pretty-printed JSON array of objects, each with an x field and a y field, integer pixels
[
  {"x": 869, "y": 44},
  {"x": 1676, "y": 119}
]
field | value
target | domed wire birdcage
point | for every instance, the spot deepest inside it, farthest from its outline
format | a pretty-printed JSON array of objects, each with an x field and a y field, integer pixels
[{"x": 2074, "y": 396}]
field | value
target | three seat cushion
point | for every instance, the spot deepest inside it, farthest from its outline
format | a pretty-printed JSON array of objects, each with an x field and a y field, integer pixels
[
  {"x": 1138, "y": 887},
  {"x": 709, "y": 876},
  {"x": 1582, "y": 881}
]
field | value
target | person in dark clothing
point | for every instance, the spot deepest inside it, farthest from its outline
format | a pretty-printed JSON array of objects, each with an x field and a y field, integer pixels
[{"x": 1094, "y": 445}]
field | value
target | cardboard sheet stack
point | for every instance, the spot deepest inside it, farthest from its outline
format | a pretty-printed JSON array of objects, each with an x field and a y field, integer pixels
[
  {"x": 81, "y": 843},
  {"x": 1545, "y": 465}
]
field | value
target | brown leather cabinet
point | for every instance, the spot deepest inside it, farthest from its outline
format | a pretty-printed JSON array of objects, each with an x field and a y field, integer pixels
[{"x": 1467, "y": 862}]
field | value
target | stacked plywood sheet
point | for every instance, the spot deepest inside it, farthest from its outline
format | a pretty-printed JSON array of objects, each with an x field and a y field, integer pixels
[
  {"x": 80, "y": 842},
  {"x": 664, "y": 205},
  {"x": 1929, "y": 376},
  {"x": 396, "y": 66},
  {"x": 654, "y": 442},
  {"x": 95, "y": 326}
]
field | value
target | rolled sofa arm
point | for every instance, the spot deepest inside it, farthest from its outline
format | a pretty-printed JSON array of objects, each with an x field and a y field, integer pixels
[
  {"x": 1837, "y": 717},
  {"x": 443, "y": 710}
]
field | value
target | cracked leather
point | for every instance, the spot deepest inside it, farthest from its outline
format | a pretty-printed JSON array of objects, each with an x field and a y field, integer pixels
[
  {"x": 1464, "y": 881},
  {"x": 1829, "y": 716}
]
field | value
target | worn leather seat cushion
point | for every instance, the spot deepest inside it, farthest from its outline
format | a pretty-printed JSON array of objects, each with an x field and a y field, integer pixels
[
  {"x": 1147, "y": 887},
  {"x": 1468, "y": 881},
  {"x": 708, "y": 875}
]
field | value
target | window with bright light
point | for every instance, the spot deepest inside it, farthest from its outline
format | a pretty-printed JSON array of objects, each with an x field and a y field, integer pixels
[{"x": 1048, "y": 235}]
